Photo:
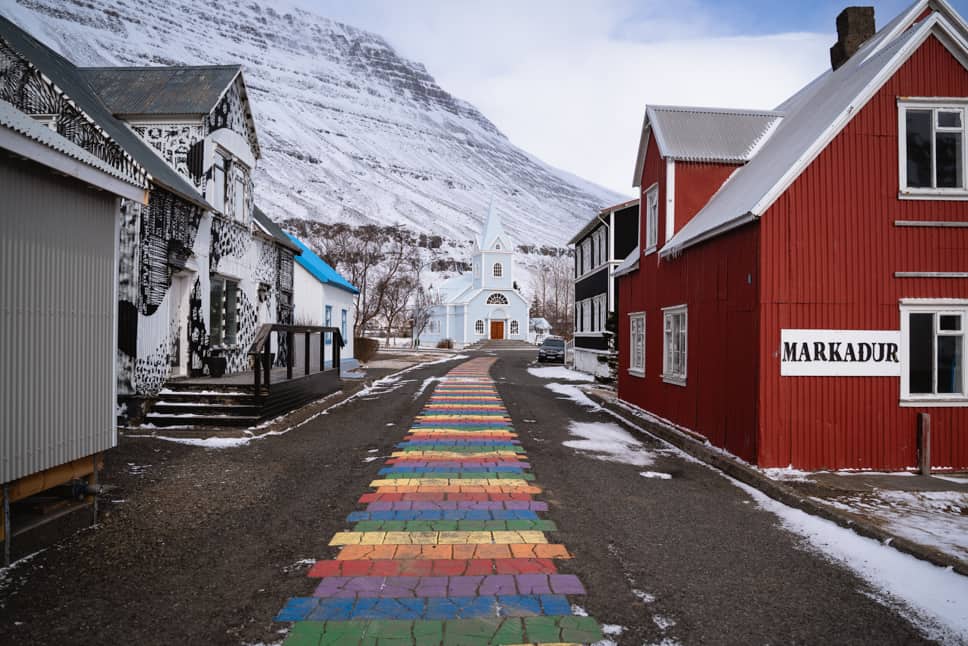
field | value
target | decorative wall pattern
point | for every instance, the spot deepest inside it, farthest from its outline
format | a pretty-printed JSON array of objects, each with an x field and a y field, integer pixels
[
  {"x": 230, "y": 113},
  {"x": 153, "y": 369},
  {"x": 168, "y": 230},
  {"x": 197, "y": 332},
  {"x": 173, "y": 141},
  {"x": 228, "y": 239},
  {"x": 22, "y": 85},
  {"x": 238, "y": 359}
]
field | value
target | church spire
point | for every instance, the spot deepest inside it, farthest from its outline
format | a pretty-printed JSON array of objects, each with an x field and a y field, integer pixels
[{"x": 493, "y": 228}]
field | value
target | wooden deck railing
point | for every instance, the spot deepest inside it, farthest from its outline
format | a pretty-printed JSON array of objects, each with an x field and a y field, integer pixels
[{"x": 261, "y": 350}]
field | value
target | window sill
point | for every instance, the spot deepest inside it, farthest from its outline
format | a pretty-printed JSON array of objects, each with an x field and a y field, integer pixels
[
  {"x": 637, "y": 373},
  {"x": 933, "y": 403},
  {"x": 931, "y": 194},
  {"x": 674, "y": 380},
  {"x": 650, "y": 250}
]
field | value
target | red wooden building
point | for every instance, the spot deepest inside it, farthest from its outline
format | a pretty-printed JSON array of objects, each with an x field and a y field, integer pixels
[{"x": 801, "y": 289}]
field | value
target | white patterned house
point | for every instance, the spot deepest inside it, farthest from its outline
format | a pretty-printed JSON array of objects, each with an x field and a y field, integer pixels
[
  {"x": 484, "y": 304},
  {"x": 193, "y": 291}
]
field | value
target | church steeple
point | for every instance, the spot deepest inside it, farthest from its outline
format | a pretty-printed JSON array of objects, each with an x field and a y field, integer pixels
[{"x": 493, "y": 237}]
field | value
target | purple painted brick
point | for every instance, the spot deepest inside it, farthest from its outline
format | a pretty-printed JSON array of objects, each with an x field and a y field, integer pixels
[
  {"x": 464, "y": 586},
  {"x": 565, "y": 584},
  {"x": 533, "y": 584},
  {"x": 495, "y": 584}
]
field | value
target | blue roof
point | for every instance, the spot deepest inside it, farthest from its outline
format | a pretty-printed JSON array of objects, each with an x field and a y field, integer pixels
[{"x": 319, "y": 268}]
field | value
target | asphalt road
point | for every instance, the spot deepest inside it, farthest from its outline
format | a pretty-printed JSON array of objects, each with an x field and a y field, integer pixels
[{"x": 205, "y": 546}]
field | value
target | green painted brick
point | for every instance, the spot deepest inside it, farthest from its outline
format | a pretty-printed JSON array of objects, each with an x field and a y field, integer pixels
[
  {"x": 582, "y": 630},
  {"x": 542, "y": 629},
  {"x": 305, "y": 633}
]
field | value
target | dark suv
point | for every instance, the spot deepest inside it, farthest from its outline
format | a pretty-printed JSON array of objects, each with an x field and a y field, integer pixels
[{"x": 552, "y": 349}]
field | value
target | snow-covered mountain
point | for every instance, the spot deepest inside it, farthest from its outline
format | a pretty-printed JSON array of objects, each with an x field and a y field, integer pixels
[{"x": 350, "y": 130}]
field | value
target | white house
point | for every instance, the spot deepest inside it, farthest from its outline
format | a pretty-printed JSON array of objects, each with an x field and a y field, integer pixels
[
  {"x": 322, "y": 296},
  {"x": 485, "y": 303}
]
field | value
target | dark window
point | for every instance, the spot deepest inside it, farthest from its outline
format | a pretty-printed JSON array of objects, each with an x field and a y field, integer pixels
[
  {"x": 921, "y": 351},
  {"x": 918, "y": 148},
  {"x": 936, "y": 353},
  {"x": 224, "y": 311}
]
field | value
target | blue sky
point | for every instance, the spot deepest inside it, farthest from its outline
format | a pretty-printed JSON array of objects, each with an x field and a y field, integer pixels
[{"x": 568, "y": 81}]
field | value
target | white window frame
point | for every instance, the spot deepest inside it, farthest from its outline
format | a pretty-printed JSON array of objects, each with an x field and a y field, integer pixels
[
  {"x": 228, "y": 335},
  {"x": 497, "y": 270},
  {"x": 669, "y": 314},
  {"x": 602, "y": 312},
  {"x": 637, "y": 319},
  {"x": 586, "y": 315},
  {"x": 479, "y": 327},
  {"x": 219, "y": 168},
  {"x": 497, "y": 298},
  {"x": 935, "y": 105},
  {"x": 652, "y": 218},
  {"x": 936, "y": 307},
  {"x": 514, "y": 328}
]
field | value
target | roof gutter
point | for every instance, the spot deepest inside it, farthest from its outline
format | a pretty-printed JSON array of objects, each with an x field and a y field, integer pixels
[{"x": 673, "y": 250}]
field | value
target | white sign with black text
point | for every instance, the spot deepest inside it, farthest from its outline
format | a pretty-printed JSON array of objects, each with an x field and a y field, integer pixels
[{"x": 840, "y": 353}]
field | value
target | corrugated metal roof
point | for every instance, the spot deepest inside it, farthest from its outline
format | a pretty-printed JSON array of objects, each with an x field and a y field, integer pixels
[
  {"x": 180, "y": 90},
  {"x": 814, "y": 116},
  {"x": 17, "y": 121},
  {"x": 319, "y": 268},
  {"x": 66, "y": 77},
  {"x": 709, "y": 134},
  {"x": 272, "y": 229}
]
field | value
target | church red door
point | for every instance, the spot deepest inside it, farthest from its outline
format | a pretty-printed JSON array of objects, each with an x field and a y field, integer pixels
[{"x": 497, "y": 329}]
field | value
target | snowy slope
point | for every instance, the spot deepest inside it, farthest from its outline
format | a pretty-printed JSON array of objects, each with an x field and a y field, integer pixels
[{"x": 350, "y": 131}]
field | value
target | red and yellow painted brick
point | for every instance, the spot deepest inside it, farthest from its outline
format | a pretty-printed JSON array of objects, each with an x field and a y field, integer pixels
[{"x": 449, "y": 547}]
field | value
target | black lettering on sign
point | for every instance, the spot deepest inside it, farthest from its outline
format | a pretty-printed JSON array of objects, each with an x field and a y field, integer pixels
[
  {"x": 804, "y": 352},
  {"x": 849, "y": 354},
  {"x": 892, "y": 353},
  {"x": 819, "y": 351},
  {"x": 834, "y": 349},
  {"x": 790, "y": 351},
  {"x": 864, "y": 352}
]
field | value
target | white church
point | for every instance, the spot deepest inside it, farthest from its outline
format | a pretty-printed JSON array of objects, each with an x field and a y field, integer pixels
[{"x": 484, "y": 303}]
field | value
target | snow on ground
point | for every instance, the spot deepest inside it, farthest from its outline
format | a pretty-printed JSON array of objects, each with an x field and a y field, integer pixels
[
  {"x": 935, "y": 518},
  {"x": 608, "y": 442},
  {"x": 559, "y": 372},
  {"x": 573, "y": 393},
  {"x": 934, "y": 599},
  {"x": 657, "y": 475}
]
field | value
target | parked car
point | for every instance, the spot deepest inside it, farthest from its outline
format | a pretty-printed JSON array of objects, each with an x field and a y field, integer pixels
[{"x": 552, "y": 349}]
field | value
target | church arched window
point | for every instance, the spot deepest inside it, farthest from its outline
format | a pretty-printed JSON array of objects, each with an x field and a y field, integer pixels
[
  {"x": 514, "y": 327},
  {"x": 479, "y": 326},
  {"x": 498, "y": 270},
  {"x": 497, "y": 299}
]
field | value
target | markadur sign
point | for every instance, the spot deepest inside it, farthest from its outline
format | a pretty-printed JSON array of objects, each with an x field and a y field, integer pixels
[{"x": 840, "y": 353}]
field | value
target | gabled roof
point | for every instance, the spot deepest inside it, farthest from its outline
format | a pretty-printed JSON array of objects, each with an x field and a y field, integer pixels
[
  {"x": 174, "y": 90},
  {"x": 594, "y": 222},
  {"x": 273, "y": 230},
  {"x": 14, "y": 119},
  {"x": 707, "y": 134},
  {"x": 68, "y": 80},
  {"x": 814, "y": 116},
  {"x": 319, "y": 268}
]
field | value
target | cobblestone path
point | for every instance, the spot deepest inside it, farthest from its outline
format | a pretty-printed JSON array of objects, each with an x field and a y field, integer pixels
[{"x": 450, "y": 548}]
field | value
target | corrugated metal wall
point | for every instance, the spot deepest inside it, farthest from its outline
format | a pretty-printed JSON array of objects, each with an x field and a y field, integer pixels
[
  {"x": 57, "y": 323},
  {"x": 718, "y": 280},
  {"x": 830, "y": 253}
]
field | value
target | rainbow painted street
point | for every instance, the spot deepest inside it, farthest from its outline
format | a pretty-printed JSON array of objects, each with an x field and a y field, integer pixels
[{"x": 450, "y": 547}]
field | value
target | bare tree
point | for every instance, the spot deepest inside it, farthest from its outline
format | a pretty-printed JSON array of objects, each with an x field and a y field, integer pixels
[
  {"x": 555, "y": 293},
  {"x": 395, "y": 297},
  {"x": 424, "y": 301}
]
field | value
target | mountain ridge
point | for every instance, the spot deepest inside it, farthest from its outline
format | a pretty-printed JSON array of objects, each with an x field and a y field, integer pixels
[{"x": 351, "y": 131}]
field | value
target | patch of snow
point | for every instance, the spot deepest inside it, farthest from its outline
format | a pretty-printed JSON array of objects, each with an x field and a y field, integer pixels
[
  {"x": 787, "y": 474},
  {"x": 578, "y": 611},
  {"x": 391, "y": 424},
  {"x": 299, "y": 565},
  {"x": 612, "y": 629},
  {"x": 935, "y": 518},
  {"x": 934, "y": 599},
  {"x": 206, "y": 442},
  {"x": 560, "y": 372},
  {"x": 664, "y": 623},
  {"x": 137, "y": 469},
  {"x": 608, "y": 442},
  {"x": 658, "y": 475},
  {"x": 573, "y": 393},
  {"x": 373, "y": 459},
  {"x": 423, "y": 386},
  {"x": 642, "y": 596}
]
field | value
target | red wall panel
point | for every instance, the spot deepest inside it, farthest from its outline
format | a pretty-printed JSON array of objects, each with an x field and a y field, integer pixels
[
  {"x": 829, "y": 252},
  {"x": 718, "y": 281},
  {"x": 695, "y": 184}
]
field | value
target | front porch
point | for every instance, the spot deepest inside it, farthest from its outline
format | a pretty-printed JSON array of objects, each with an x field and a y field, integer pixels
[{"x": 266, "y": 390}]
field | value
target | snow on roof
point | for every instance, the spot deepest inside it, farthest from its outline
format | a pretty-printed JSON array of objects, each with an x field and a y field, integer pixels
[
  {"x": 539, "y": 323},
  {"x": 452, "y": 288},
  {"x": 707, "y": 134},
  {"x": 630, "y": 264},
  {"x": 319, "y": 268},
  {"x": 813, "y": 117},
  {"x": 14, "y": 119}
]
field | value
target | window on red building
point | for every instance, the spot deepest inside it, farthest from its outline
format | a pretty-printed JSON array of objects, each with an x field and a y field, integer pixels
[{"x": 933, "y": 354}]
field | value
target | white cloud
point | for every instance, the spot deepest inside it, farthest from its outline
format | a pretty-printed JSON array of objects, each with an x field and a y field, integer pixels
[{"x": 568, "y": 82}]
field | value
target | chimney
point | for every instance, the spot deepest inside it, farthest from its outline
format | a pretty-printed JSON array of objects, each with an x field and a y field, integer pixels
[{"x": 854, "y": 26}]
